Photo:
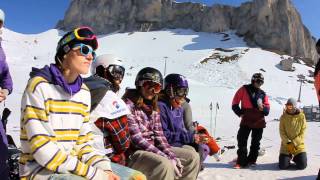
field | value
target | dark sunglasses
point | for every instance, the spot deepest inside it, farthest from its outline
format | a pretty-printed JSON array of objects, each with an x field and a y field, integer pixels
[
  {"x": 85, "y": 50},
  {"x": 116, "y": 71},
  {"x": 152, "y": 85},
  {"x": 259, "y": 81}
]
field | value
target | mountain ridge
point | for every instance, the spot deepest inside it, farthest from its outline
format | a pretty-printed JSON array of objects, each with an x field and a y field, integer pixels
[{"x": 269, "y": 24}]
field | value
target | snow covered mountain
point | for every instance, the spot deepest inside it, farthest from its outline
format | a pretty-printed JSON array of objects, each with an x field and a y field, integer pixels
[{"x": 216, "y": 65}]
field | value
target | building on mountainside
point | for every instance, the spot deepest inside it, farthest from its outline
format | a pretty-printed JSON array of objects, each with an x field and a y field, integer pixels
[{"x": 287, "y": 65}]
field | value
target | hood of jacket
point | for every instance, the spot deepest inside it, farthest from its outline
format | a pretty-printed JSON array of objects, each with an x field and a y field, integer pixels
[{"x": 53, "y": 75}]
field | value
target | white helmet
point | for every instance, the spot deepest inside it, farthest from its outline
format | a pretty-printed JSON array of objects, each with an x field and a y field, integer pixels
[
  {"x": 105, "y": 60},
  {"x": 2, "y": 16}
]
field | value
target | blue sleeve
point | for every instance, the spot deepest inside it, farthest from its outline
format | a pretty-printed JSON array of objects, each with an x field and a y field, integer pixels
[{"x": 173, "y": 134}]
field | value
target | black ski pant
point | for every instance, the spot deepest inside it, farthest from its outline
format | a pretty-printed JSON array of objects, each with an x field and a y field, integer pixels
[
  {"x": 3, "y": 159},
  {"x": 4, "y": 172},
  {"x": 299, "y": 159},
  {"x": 242, "y": 137}
]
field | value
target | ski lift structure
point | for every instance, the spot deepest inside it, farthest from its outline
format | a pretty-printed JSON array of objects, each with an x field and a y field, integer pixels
[{"x": 312, "y": 113}]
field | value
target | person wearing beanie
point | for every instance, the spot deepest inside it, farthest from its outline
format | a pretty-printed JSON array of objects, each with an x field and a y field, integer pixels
[
  {"x": 254, "y": 107},
  {"x": 55, "y": 131},
  {"x": 292, "y": 129},
  {"x": 5, "y": 90}
]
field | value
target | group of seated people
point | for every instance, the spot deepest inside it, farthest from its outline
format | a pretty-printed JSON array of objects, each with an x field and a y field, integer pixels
[{"x": 79, "y": 128}]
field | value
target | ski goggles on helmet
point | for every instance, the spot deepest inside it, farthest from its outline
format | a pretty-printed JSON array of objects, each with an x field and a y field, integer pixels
[
  {"x": 82, "y": 34},
  {"x": 150, "y": 85},
  {"x": 181, "y": 91},
  {"x": 116, "y": 71},
  {"x": 85, "y": 50},
  {"x": 152, "y": 77}
]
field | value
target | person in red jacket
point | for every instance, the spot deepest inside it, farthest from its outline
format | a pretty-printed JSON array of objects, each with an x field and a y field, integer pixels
[
  {"x": 254, "y": 107},
  {"x": 317, "y": 82},
  {"x": 316, "y": 74}
]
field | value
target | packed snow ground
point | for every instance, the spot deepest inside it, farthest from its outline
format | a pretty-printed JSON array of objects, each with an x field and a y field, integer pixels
[{"x": 184, "y": 52}]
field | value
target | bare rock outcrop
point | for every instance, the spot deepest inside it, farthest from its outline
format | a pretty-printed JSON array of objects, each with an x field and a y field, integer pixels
[{"x": 270, "y": 24}]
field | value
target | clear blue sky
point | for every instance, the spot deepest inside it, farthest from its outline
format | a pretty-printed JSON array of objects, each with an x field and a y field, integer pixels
[{"x": 34, "y": 16}]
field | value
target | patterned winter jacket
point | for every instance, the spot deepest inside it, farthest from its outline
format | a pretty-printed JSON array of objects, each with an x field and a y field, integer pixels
[
  {"x": 55, "y": 131},
  {"x": 146, "y": 130}
]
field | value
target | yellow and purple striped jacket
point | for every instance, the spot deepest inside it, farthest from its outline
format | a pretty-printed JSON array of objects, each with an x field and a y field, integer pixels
[{"x": 56, "y": 135}]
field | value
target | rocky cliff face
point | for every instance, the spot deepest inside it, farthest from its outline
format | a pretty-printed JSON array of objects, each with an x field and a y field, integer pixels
[{"x": 270, "y": 24}]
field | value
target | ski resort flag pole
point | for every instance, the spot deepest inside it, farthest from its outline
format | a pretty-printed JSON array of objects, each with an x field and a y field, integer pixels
[
  {"x": 215, "y": 119},
  {"x": 210, "y": 106}
]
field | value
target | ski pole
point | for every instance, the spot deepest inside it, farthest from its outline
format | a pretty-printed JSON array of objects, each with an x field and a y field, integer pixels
[
  {"x": 210, "y": 117},
  {"x": 215, "y": 120}
]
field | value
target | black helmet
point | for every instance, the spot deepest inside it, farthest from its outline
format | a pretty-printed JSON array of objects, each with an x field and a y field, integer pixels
[
  {"x": 257, "y": 77},
  {"x": 149, "y": 74}
]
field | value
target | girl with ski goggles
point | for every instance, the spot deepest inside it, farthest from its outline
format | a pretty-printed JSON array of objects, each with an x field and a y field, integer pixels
[
  {"x": 81, "y": 34},
  {"x": 150, "y": 85},
  {"x": 85, "y": 50}
]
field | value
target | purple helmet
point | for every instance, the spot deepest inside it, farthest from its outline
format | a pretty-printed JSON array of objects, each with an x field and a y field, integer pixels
[
  {"x": 176, "y": 80},
  {"x": 176, "y": 85}
]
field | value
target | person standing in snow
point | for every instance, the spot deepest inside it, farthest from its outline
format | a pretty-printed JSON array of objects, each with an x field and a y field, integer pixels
[
  {"x": 316, "y": 74},
  {"x": 172, "y": 117},
  {"x": 254, "y": 107},
  {"x": 5, "y": 90},
  {"x": 109, "y": 113},
  {"x": 292, "y": 129},
  {"x": 150, "y": 151},
  {"x": 55, "y": 133}
]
